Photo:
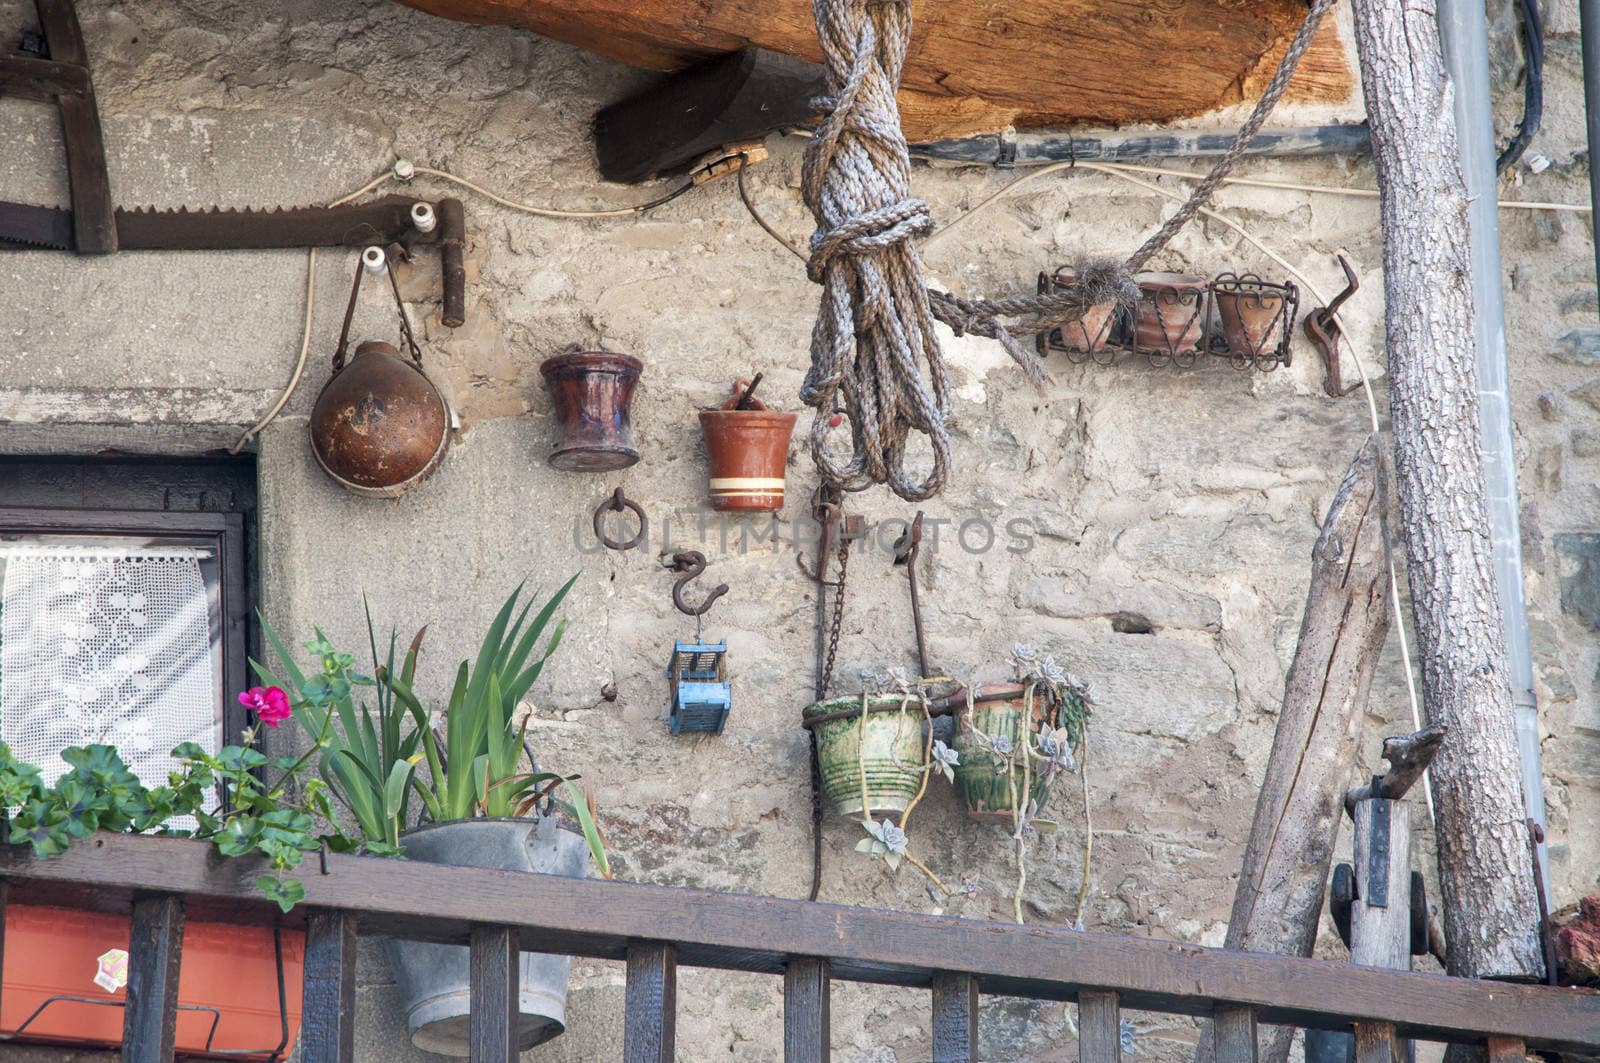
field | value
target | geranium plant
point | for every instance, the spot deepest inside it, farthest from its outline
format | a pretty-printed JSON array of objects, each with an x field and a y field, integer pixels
[{"x": 281, "y": 821}]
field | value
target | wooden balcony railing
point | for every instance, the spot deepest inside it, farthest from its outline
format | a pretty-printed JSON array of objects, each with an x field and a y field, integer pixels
[{"x": 655, "y": 928}]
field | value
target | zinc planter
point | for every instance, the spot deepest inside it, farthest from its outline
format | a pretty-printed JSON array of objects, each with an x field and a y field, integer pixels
[
  {"x": 891, "y": 754},
  {"x": 435, "y": 980},
  {"x": 981, "y": 775}
]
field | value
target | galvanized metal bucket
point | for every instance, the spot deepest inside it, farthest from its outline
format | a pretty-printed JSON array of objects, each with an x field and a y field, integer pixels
[{"x": 435, "y": 980}]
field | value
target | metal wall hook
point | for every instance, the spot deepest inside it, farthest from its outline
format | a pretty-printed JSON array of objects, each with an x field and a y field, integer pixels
[
  {"x": 1322, "y": 326},
  {"x": 692, "y": 563}
]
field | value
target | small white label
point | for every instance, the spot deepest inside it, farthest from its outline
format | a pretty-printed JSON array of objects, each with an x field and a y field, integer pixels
[{"x": 113, "y": 972}]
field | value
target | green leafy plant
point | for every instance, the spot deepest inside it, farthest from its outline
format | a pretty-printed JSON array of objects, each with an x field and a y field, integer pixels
[
  {"x": 99, "y": 792},
  {"x": 369, "y": 758}
]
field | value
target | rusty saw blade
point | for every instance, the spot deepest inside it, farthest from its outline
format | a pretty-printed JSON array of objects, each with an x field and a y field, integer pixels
[{"x": 380, "y": 221}]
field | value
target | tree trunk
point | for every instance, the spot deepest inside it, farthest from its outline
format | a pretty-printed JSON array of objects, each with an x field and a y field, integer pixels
[
  {"x": 1491, "y": 909},
  {"x": 1278, "y": 902}
]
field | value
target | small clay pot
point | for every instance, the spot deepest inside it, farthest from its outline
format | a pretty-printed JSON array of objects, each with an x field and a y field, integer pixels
[
  {"x": 1253, "y": 314},
  {"x": 379, "y": 427},
  {"x": 593, "y": 393},
  {"x": 1171, "y": 316},
  {"x": 749, "y": 452},
  {"x": 1091, "y": 332},
  {"x": 987, "y": 787}
]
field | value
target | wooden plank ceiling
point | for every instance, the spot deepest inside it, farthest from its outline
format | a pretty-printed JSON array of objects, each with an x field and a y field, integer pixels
[{"x": 976, "y": 66}]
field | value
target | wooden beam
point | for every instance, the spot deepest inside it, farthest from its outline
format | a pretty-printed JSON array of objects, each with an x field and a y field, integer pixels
[
  {"x": 155, "y": 949},
  {"x": 650, "y": 1011},
  {"x": 1278, "y": 901},
  {"x": 494, "y": 1006},
  {"x": 328, "y": 1002},
  {"x": 1233, "y": 1034},
  {"x": 1408, "y": 757},
  {"x": 955, "y": 1018},
  {"x": 807, "y": 1037},
  {"x": 435, "y": 902},
  {"x": 1099, "y": 1028}
]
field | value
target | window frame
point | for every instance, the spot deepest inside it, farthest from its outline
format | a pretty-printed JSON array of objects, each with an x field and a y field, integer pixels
[{"x": 223, "y": 532}]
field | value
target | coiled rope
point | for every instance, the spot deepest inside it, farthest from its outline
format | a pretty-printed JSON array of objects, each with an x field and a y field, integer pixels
[{"x": 875, "y": 356}]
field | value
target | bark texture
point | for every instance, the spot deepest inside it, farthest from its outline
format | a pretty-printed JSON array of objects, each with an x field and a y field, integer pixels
[
  {"x": 1278, "y": 902},
  {"x": 1490, "y": 907}
]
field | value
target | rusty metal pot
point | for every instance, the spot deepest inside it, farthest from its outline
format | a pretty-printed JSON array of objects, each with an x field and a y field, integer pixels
[
  {"x": 380, "y": 427},
  {"x": 593, "y": 393}
]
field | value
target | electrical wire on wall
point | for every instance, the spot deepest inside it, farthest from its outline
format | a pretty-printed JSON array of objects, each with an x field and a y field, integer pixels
[{"x": 1532, "y": 84}]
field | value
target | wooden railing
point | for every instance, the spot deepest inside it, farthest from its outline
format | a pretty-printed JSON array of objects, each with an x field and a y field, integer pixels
[{"x": 655, "y": 929}]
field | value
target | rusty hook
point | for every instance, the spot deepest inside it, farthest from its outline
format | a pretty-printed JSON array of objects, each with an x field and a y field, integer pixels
[
  {"x": 1322, "y": 326},
  {"x": 692, "y": 563},
  {"x": 616, "y": 504}
]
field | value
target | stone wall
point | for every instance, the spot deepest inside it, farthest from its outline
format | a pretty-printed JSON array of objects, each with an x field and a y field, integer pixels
[{"x": 1168, "y": 515}]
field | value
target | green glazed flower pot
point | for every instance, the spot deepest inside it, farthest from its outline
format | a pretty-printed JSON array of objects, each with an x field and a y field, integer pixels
[
  {"x": 981, "y": 775},
  {"x": 891, "y": 754}
]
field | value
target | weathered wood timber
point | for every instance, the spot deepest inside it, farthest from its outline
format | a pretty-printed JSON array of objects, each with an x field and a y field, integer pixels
[
  {"x": 981, "y": 65},
  {"x": 1408, "y": 757},
  {"x": 1278, "y": 902},
  {"x": 1491, "y": 910}
]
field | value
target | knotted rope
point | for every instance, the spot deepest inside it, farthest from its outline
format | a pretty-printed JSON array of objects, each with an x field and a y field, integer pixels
[{"x": 875, "y": 322}]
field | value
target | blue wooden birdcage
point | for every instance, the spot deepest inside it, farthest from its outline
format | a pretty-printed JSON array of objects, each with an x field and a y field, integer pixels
[{"x": 701, "y": 694}]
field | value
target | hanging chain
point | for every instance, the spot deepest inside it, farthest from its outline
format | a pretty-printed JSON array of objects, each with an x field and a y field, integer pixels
[{"x": 838, "y": 615}]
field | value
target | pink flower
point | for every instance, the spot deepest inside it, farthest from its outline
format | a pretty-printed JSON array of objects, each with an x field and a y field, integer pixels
[{"x": 270, "y": 704}]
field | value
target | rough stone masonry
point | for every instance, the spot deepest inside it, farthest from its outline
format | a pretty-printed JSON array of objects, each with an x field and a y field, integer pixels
[{"x": 1152, "y": 528}]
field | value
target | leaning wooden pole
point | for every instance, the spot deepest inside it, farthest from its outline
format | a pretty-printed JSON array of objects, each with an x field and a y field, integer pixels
[
  {"x": 1278, "y": 902},
  {"x": 1490, "y": 906}
]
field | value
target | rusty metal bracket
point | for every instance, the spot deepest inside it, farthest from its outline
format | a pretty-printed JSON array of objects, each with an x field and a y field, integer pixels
[
  {"x": 692, "y": 563},
  {"x": 905, "y": 553},
  {"x": 616, "y": 504},
  {"x": 827, "y": 509},
  {"x": 63, "y": 76},
  {"x": 1322, "y": 327},
  {"x": 1552, "y": 971}
]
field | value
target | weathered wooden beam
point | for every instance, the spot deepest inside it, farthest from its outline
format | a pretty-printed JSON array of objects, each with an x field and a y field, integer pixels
[
  {"x": 581, "y": 917},
  {"x": 1408, "y": 757},
  {"x": 650, "y": 1009},
  {"x": 806, "y": 1027},
  {"x": 1491, "y": 908},
  {"x": 1234, "y": 1037},
  {"x": 1099, "y": 1028},
  {"x": 328, "y": 1000},
  {"x": 155, "y": 948},
  {"x": 955, "y": 1018},
  {"x": 1278, "y": 901},
  {"x": 494, "y": 978}
]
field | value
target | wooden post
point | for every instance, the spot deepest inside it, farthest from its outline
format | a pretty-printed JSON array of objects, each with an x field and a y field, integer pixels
[
  {"x": 494, "y": 1004},
  {"x": 1234, "y": 1034},
  {"x": 150, "y": 1020},
  {"x": 328, "y": 1001},
  {"x": 1099, "y": 1028},
  {"x": 1490, "y": 906},
  {"x": 955, "y": 1018},
  {"x": 1278, "y": 902},
  {"x": 806, "y": 1037},
  {"x": 649, "y": 1025}
]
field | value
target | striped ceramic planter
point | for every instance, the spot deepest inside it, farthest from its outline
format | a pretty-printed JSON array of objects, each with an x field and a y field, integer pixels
[
  {"x": 749, "y": 451},
  {"x": 891, "y": 754},
  {"x": 981, "y": 775}
]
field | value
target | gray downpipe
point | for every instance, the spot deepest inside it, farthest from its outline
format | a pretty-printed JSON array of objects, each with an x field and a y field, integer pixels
[
  {"x": 1589, "y": 21},
  {"x": 1464, "y": 35},
  {"x": 1042, "y": 147}
]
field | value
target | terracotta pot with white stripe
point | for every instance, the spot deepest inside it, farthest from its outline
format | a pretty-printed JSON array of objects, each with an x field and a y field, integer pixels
[{"x": 749, "y": 451}]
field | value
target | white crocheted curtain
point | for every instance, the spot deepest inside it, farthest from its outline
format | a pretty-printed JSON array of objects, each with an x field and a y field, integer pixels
[{"x": 105, "y": 645}]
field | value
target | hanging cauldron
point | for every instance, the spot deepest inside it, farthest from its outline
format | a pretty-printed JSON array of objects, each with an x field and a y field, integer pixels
[
  {"x": 380, "y": 426},
  {"x": 592, "y": 392}
]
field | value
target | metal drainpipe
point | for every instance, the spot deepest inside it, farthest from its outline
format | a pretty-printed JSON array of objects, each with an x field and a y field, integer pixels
[
  {"x": 1464, "y": 35},
  {"x": 1589, "y": 22}
]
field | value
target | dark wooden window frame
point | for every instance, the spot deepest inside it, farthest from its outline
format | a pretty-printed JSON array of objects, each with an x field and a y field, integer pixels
[{"x": 223, "y": 532}]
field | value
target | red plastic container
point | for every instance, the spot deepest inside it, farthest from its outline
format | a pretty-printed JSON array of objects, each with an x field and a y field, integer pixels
[{"x": 232, "y": 969}]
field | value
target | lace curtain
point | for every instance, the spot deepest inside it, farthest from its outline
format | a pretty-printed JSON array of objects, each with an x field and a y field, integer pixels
[{"x": 105, "y": 645}]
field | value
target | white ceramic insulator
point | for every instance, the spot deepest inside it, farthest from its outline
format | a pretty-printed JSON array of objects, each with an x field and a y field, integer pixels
[
  {"x": 422, "y": 217},
  {"x": 373, "y": 259},
  {"x": 404, "y": 170}
]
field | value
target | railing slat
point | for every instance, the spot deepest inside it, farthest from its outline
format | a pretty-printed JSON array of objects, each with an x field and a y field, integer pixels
[
  {"x": 955, "y": 1018},
  {"x": 5, "y": 891},
  {"x": 1507, "y": 1050},
  {"x": 494, "y": 994},
  {"x": 805, "y": 1011},
  {"x": 1099, "y": 1028},
  {"x": 650, "y": 1024},
  {"x": 1376, "y": 1043},
  {"x": 150, "y": 1020},
  {"x": 328, "y": 1001},
  {"x": 1233, "y": 1032}
]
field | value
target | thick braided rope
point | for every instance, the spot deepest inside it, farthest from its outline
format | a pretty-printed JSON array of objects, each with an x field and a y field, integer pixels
[{"x": 874, "y": 324}]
